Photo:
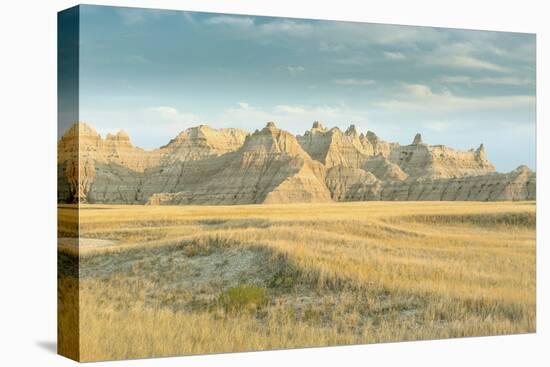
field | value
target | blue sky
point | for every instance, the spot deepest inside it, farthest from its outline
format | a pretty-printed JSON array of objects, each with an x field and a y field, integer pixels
[{"x": 155, "y": 73}]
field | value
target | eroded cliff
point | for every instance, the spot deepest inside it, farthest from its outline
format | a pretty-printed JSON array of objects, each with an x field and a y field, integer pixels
[{"x": 203, "y": 165}]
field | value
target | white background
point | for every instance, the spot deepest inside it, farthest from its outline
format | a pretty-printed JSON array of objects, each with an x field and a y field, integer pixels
[{"x": 28, "y": 182}]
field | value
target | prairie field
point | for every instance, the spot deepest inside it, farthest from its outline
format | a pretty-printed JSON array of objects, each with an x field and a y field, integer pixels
[{"x": 169, "y": 280}]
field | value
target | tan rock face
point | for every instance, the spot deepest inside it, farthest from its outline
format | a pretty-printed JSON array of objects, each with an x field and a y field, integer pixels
[
  {"x": 203, "y": 142},
  {"x": 383, "y": 169},
  {"x": 112, "y": 170},
  {"x": 334, "y": 147},
  {"x": 439, "y": 161},
  {"x": 229, "y": 166},
  {"x": 374, "y": 146},
  {"x": 519, "y": 184},
  {"x": 270, "y": 167},
  {"x": 343, "y": 182}
]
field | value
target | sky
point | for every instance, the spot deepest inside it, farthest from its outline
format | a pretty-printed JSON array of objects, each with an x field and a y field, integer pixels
[{"x": 154, "y": 73}]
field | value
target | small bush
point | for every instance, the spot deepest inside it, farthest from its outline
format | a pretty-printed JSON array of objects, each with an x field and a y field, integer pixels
[
  {"x": 196, "y": 249},
  {"x": 243, "y": 298},
  {"x": 284, "y": 279},
  {"x": 199, "y": 247}
]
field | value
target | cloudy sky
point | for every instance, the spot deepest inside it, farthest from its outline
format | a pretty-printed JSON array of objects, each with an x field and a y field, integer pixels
[{"x": 155, "y": 73}]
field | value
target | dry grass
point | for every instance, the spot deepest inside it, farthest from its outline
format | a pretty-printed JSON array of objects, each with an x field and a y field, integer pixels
[{"x": 330, "y": 273}]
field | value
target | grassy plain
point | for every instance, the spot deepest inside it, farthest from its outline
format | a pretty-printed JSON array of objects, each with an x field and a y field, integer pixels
[{"x": 205, "y": 279}]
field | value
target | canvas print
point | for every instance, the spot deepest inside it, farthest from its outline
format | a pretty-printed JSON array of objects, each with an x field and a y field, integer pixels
[{"x": 232, "y": 183}]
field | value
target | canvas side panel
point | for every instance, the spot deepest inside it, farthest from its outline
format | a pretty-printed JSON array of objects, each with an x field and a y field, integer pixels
[{"x": 68, "y": 335}]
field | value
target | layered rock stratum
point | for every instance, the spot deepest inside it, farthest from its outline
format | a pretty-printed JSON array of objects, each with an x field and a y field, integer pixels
[{"x": 206, "y": 166}]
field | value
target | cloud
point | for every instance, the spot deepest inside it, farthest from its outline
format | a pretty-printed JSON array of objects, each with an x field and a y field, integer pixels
[
  {"x": 456, "y": 79},
  {"x": 506, "y": 80},
  {"x": 498, "y": 51},
  {"x": 288, "y": 26},
  {"x": 313, "y": 112},
  {"x": 354, "y": 60},
  {"x": 229, "y": 20},
  {"x": 358, "y": 33},
  {"x": 297, "y": 110},
  {"x": 293, "y": 118},
  {"x": 295, "y": 69},
  {"x": 243, "y": 116},
  {"x": 138, "y": 59},
  {"x": 394, "y": 55},
  {"x": 422, "y": 97},
  {"x": 471, "y": 62},
  {"x": 438, "y": 125},
  {"x": 330, "y": 47},
  {"x": 460, "y": 55},
  {"x": 354, "y": 82},
  {"x": 148, "y": 127},
  {"x": 418, "y": 90},
  {"x": 172, "y": 116},
  {"x": 245, "y": 27},
  {"x": 131, "y": 16},
  {"x": 188, "y": 17}
]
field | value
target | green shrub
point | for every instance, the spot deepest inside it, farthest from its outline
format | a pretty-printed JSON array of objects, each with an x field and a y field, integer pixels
[
  {"x": 284, "y": 279},
  {"x": 243, "y": 298}
]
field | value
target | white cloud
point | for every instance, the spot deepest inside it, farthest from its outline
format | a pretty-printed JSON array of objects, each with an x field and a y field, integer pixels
[
  {"x": 353, "y": 60},
  {"x": 455, "y": 79},
  {"x": 172, "y": 116},
  {"x": 229, "y": 20},
  {"x": 148, "y": 128},
  {"x": 460, "y": 55},
  {"x": 471, "y": 62},
  {"x": 287, "y": 26},
  {"x": 131, "y": 16},
  {"x": 421, "y": 97},
  {"x": 188, "y": 17},
  {"x": 418, "y": 90},
  {"x": 498, "y": 51},
  {"x": 314, "y": 112},
  {"x": 394, "y": 55},
  {"x": 245, "y": 24},
  {"x": 438, "y": 125},
  {"x": 506, "y": 80},
  {"x": 357, "y": 33},
  {"x": 295, "y": 69},
  {"x": 290, "y": 109},
  {"x": 354, "y": 82},
  {"x": 243, "y": 116},
  {"x": 294, "y": 118}
]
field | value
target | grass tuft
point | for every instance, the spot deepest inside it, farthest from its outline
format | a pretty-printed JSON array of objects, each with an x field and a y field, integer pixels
[{"x": 244, "y": 298}]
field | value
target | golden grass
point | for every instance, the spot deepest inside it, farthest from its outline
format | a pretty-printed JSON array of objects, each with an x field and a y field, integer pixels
[{"x": 352, "y": 273}]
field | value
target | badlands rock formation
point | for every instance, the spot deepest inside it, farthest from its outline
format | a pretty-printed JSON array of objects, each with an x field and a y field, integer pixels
[
  {"x": 439, "y": 161},
  {"x": 332, "y": 147},
  {"x": 229, "y": 166},
  {"x": 270, "y": 167}
]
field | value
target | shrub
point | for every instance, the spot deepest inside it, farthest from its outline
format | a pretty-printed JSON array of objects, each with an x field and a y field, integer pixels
[
  {"x": 243, "y": 298},
  {"x": 284, "y": 279}
]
